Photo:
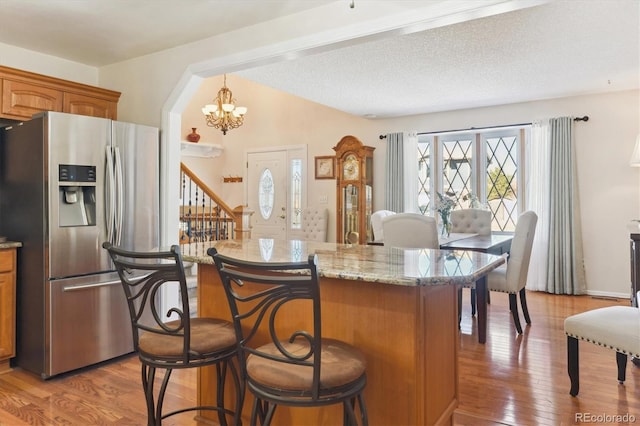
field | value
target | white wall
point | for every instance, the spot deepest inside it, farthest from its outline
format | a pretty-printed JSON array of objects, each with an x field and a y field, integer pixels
[{"x": 28, "y": 60}]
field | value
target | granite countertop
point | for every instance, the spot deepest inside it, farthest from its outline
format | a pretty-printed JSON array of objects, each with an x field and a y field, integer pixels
[
  {"x": 9, "y": 244},
  {"x": 358, "y": 262}
]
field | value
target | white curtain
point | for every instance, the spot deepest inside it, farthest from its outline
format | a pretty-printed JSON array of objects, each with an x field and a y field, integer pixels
[
  {"x": 537, "y": 184},
  {"x": 557, "y": 257},
  {"x": 401, "y": 172}
]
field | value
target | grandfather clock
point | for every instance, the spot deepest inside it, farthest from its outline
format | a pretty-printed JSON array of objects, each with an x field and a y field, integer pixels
[{"x": 354, "y": 191}]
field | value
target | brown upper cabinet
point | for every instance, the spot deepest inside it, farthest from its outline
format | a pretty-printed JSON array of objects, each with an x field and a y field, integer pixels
[{"x": 25, "y": 94}]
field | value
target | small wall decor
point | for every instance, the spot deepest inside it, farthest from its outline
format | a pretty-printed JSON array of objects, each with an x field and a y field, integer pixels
[
  {"x": 231, "y": 179},
  {"x": 325, "y": 167}
]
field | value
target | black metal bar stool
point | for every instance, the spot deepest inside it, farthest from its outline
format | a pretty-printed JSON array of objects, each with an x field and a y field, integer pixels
[
  {"x": 296, "y": 367},
  {"x": 182, "y": 342}
]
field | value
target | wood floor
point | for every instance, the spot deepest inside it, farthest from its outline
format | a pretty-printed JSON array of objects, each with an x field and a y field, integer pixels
[{"x": 511, "y": 380}]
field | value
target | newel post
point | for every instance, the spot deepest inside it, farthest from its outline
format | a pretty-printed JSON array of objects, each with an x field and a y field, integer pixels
[{"x": 243, "y": 222}]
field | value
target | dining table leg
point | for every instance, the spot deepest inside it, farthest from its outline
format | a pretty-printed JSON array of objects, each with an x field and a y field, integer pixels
[{"x": 481, "y": 306}]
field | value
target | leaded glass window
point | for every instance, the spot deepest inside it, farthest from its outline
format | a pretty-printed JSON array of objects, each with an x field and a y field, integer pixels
[
  {"x": 502, "y": 180},
  {"x": 478, "y": 168},
  {"x": 457, "y": 161},
  {"x": 424, "y": 174},
  {"x": 296, "y": 194},
  {"x": 266, "y": 194}
]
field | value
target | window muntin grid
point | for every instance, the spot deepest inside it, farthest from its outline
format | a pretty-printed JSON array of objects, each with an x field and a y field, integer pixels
[
  {"x": 487, "y": 172},
  {"x": 457, "y": 167},
  {"x": 424, "y": 175},
  {"x": 502, "y": 181}
]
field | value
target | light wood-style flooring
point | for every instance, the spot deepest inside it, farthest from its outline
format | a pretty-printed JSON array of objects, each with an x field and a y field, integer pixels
[{"x": 511, "y": 380}]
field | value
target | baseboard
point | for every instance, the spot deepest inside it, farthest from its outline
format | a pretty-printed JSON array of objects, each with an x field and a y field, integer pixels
[{"x": 609, "y": 295}]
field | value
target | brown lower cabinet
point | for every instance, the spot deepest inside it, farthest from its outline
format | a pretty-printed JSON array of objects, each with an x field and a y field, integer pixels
[{"x": 7, "y": 307}]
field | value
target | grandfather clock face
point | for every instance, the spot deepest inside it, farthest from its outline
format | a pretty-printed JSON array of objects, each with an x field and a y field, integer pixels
[{"x": 351, "y": 168}]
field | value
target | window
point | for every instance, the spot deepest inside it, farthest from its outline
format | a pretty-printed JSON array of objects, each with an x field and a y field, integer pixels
[
  {"x": 296, "y": 193},
  {"x": 476, "y": 168}
]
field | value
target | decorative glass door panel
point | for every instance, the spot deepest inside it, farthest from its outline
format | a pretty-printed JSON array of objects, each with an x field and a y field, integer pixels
[{"x": 267, "y": 194}]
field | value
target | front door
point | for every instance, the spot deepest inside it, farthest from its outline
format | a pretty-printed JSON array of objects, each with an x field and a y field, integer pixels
[{"x": 276, "y": 191}]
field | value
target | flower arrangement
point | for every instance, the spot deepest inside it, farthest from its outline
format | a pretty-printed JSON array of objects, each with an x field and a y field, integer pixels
[{"x": 444, "y": 205}]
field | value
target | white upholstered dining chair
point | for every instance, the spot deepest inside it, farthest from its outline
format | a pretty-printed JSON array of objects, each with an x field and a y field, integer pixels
[
  {"x": 314, "y": 223},
  {"x": 376, "y": 224},
  {"x": 471, "y": 221},
  {"x": 410, "y": 230},
  {"x": 512, "y": 277}
]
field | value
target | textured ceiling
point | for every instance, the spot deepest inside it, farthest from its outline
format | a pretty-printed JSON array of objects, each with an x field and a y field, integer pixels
[
  {"x": 553, "y": 50},
  {"x": 562, "y": 48}
]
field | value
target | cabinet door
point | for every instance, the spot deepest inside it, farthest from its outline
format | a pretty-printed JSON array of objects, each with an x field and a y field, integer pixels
[
  {"x": 7, "y": 315},
  {"x": 87, "y": 105},
  {"x": 22, "y": 100}
]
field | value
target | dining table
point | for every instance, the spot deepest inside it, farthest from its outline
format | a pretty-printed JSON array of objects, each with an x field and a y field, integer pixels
[
  {"x": 497, "y": 243},
  {"x": 398, "y": 306}
]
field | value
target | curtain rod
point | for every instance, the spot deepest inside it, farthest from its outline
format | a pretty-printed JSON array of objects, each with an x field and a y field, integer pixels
[{"x": 583, "y": 118}]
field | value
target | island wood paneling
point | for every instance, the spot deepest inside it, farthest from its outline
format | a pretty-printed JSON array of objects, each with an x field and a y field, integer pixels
[{"x": 408, "y": 335}]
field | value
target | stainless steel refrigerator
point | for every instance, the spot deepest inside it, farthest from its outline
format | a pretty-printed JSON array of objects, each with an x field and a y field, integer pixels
[{"x": 69, "y": 183}]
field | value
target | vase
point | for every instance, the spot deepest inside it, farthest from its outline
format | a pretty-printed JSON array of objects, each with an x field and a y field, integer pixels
[
  {"x": 445, "y": 219},
  {"x": 193, "y": 136}
]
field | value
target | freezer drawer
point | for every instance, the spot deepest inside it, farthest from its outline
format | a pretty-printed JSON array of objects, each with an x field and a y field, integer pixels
[{"x": 88, "y": 323}]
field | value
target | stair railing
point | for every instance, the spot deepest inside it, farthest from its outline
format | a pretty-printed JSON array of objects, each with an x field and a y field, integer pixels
[{"x": 203, "y": 215}]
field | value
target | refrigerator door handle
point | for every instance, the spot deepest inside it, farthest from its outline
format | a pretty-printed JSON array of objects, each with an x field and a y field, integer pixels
[
  {"x": 119, "y": 210},
  {"x": 89, "y": 286},
  {"x": 110, "y": 196}
]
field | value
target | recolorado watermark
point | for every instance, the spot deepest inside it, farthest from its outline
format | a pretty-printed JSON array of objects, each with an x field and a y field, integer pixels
[{"x": 604, "y": 418}]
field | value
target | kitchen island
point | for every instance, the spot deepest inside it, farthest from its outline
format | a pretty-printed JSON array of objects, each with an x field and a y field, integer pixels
[{"x": 398, "y": 306}]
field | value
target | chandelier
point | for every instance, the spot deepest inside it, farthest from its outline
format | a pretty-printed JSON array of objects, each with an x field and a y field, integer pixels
[{"x": 223, "y": 114}]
